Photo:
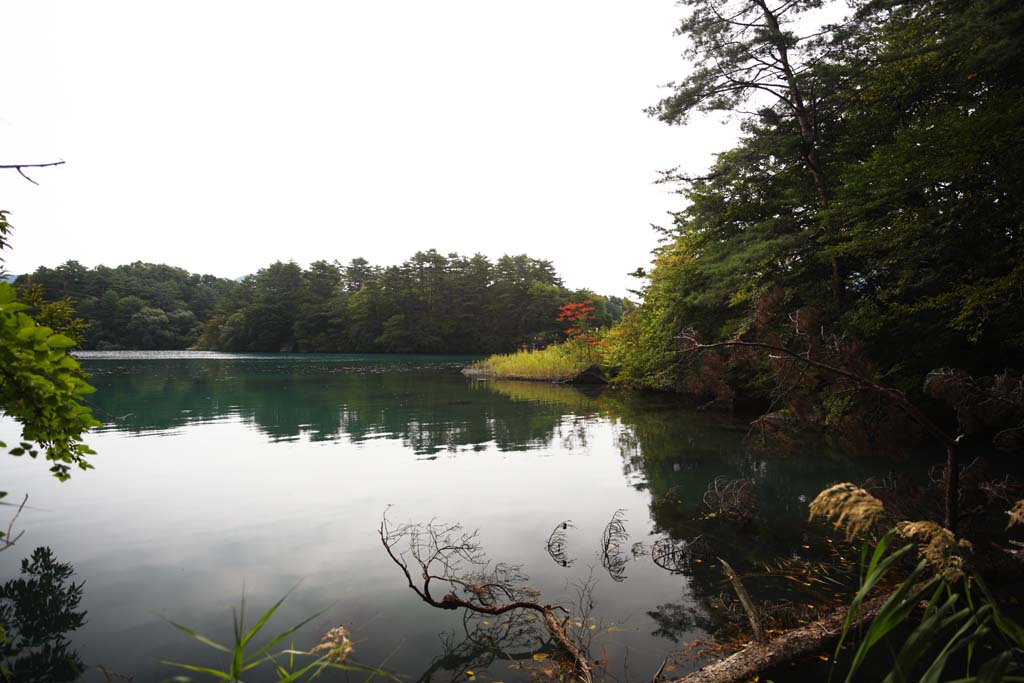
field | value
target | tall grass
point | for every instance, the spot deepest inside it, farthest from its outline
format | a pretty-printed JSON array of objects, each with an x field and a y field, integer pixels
[
  {"x": 961, "y": 626},
  {"x": 554, "y": 363},
  {"x": 289, "y": 665}
]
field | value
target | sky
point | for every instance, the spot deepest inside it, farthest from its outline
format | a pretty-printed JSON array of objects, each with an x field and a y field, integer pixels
[{"x": 223, "y": 136}]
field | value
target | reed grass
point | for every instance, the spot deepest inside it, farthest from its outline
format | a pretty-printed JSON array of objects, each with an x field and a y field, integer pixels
[
  {"x": 553, "y": 363},
  {"x": 289, "y": 665}
]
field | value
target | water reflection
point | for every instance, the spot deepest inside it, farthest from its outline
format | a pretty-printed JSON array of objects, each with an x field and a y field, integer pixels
[
  {"x": 358, "y": 397},
  {"x": 37, "y": 612},
  {"x": 672, "y": 453},
  {"x": 277, "y": 468},
  {"x": 512, "y": 640}
]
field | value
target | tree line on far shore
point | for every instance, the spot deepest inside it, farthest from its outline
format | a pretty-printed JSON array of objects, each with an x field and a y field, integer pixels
[{"x": 431, "y": 303}]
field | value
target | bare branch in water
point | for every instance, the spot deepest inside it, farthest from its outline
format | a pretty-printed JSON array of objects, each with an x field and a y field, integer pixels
[
  {"x": 557, "y": 545},
  {"x": 671, "y": 555},
  {"x": 732, "y": 499},
  {"x": 448, "y": 556},
  {"x": 613, "y": 542}
]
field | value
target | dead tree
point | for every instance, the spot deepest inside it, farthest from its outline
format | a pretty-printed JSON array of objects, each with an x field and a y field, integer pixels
[{"x": 445, "y": 557}]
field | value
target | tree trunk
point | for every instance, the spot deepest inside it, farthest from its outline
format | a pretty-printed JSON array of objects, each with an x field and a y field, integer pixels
[
  {"x": 807, "y": 133},
  {"x": 755, "y": 658},
  {"x": 952, "y": 484}
]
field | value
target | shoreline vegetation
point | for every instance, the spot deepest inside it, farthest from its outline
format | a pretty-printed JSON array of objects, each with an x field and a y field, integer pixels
[{"x": 566, "y": 362}]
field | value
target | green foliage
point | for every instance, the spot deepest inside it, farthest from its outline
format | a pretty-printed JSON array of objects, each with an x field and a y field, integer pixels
[
  {"x": 245, "y": 656},
  {"x": 37, "y": 611},
  {"x": 961, "y": 621},
  {"x": 880, "y": 186},
  {"x": 739, "y": 49},
  {"x": 431, "y": 303},
  {"x": 135, "y": 306},
  {"x": 42, "y": 387},
  {"x": 57, "y": 315},
  {"x": 5, "y": 230}
]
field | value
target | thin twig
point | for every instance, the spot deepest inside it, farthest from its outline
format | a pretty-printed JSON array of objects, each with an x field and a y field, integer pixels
[
  {"x": 7, "y": 540},
  {"x": 19, "y": 167}
]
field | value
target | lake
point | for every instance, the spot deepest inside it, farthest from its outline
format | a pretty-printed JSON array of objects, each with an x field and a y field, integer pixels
[{"x": 218, "y": 474}]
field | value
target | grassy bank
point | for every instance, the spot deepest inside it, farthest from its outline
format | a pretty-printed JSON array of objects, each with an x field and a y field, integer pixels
[{"x": 554, "y": 363}]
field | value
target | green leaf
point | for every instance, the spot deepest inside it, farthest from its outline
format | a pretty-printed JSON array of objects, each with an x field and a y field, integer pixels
[
  {"x": 277, "y": 639},
  {"x": 200, "y": 637},
  {"x": 995, "y": 669},
  {"x": 893, "y": 611},
  {"x": 263, "y": 620},
  {"x": 201, "y": 669},
  {"x": 877, "y": 568},
  {"x": 60, "y": 341}
]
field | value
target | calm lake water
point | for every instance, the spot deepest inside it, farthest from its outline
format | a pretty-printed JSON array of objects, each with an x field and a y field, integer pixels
[{"x": 217, "y": 474}]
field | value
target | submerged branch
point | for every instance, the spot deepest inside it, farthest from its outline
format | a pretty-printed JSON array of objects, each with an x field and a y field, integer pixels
[{"x": 451, "y": 556}]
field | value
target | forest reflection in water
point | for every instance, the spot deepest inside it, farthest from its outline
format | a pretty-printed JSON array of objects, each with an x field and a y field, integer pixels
[
  {"x": 38, "y": 611},
  {"x": 330, "y": 441}
]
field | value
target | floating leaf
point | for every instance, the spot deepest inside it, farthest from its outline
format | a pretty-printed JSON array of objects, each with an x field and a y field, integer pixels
[{"x": 539, "y": 657}]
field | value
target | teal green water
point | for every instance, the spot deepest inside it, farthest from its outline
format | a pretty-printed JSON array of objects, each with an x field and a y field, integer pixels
[{"x": 217, "y": 473}]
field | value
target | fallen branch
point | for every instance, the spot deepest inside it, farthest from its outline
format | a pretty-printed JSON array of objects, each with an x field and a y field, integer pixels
[
  {"x": 453, "y": 558},
  {"x": 748, "y": 604},
  {"x": 755, "y": 658}
]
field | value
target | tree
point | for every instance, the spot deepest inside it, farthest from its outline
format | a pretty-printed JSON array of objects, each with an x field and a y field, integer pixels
[
  {"x": 915, "y": 109},
  {"x": 41, "y": 386},
  {"x": 37, "y": 611},
  {"x": 749, "y": 49}
]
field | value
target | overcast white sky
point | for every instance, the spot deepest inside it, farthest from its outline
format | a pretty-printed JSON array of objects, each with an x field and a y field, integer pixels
[{"x": 221, "y": 136}]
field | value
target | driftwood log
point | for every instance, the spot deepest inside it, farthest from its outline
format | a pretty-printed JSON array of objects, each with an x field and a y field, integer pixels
[{"x": 755, "y": 658}]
